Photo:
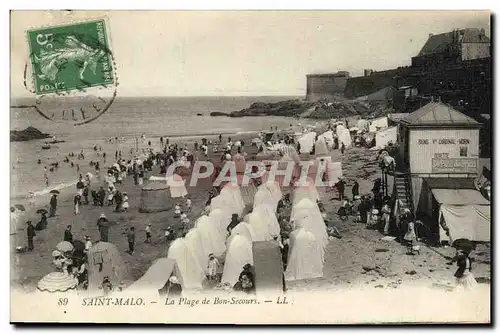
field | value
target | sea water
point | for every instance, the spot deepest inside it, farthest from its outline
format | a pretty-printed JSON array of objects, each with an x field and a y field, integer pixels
[{"x": 128, "y": 118}]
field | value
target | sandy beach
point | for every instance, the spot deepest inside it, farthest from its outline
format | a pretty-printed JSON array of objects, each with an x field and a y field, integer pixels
[{"x": 360, "y": 258}]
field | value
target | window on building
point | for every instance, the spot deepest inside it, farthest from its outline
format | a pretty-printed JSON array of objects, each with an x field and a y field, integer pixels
[{"x": 463, "y": 151}]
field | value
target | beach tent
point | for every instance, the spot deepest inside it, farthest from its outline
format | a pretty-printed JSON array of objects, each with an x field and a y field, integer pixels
[
  {"x": 220, "y": 219},
  {"x": 210, "y": 239},
  {"x": 155, "y": 198},
  {"x": 290, "y": 153},
  {"x": 380, "y": 123},
  {"x": 305, "y": 259},
  {"x": 334, "y": 171},
  {"x": 363, "y": 124},
  {"x": 192, "y": 274},
  {"x": 328, "y": 136},
  {"x": 268, "y": 266},
  {"x": 156, "y": 277},
  {"x": 244, "y": 229},
  {"x": 384, "y": 137},
  {"x": 321, "y": 148},
  {"x": 267, "y": 213},
  {"x": 264, "y": 196},
  {"x": 240, "y": 163},
  {"x": 193, "y": 243},
  {"x": 306, "y": 142},
  {"x": 233, "y": 194},
  {"x": 344, "y": 136},
  {"x": 176, "y": 186},
  {"x": 261, "y": 229},
  {"x": 104, "y": 259},
  {"x": 307, "y": 214},
  {"x": 305, "y": 190},
  {"x": 239, "y": 253}
]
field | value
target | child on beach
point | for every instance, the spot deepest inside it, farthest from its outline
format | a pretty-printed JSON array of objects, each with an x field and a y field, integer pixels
[
  {"x": 148, "y": 234},
  {"x": 177, "y": 211},
  {"x": 213, "y": 265},
  {"x": 125, "y": 204}
]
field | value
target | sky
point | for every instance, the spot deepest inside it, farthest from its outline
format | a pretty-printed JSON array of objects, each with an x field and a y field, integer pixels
[{"x": 256, "y": 53}]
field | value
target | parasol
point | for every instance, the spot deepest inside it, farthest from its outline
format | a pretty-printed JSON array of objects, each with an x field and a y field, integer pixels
[
  {"x": 64, "y": 246},
  {"x": 464, "y": 244},
  {"x": 41, "y": 211},
  {"x": 57, "y": 282},
  {"x": 20, "y": 207},
  {"x": 55, "y": 191}
]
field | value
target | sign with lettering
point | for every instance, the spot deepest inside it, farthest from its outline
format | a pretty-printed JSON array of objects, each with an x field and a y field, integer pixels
[
  {"x": 454, "y": 165},
  {"x": 444, "y": 141}
]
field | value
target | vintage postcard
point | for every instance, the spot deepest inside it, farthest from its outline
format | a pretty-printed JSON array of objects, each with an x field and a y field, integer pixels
[{"x": 250, "y": 167}]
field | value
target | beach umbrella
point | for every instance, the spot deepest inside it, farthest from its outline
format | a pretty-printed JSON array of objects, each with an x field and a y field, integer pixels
[
  {"x": 64, "y": 246},
  {"x": 57, "y": 282},
  {"x": 20, "y": 207},
  {"x": 55, "y": 191},
  {"x": 41, "y": 211},
  {"x": 463, "y": 244}
]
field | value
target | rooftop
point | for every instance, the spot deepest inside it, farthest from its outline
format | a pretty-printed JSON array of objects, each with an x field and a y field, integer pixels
[
  {"x": 438, "y": 114},
  {"x": 440, "y": 43}
]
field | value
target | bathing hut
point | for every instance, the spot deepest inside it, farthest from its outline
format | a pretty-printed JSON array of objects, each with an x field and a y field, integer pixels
[{"x": 155, "y": 197}]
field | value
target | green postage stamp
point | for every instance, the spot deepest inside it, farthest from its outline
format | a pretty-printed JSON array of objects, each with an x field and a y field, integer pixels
[{"x": 70, "y": 57}]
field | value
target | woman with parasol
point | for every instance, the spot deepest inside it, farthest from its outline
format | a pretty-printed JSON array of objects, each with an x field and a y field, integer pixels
[
  {"x": 42, "y": 224},
  {"x": 465, "y": 278}
]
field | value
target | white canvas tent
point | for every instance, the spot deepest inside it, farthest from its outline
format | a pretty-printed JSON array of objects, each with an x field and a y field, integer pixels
[
  {"x": 383, "y": 137},
  {"x": 305, "y": 258},
  {"x": 306, "y": 142}
]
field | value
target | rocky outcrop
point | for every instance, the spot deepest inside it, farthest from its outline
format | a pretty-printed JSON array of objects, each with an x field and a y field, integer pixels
[
  {"x": 335, "y": 108},
  {"x": 282, "y": 108},
  {"x": 218, "y": 113},
  {"x": 30, "y": 133}
]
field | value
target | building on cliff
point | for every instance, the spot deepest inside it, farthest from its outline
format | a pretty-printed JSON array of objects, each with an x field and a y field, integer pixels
[
  {"x": 321, "y": 86},
  {"x": 453, "y": 47},
  {"x": 453, "y": 67}
]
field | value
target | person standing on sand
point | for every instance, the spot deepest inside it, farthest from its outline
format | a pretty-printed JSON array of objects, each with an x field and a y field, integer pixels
[
  {"x": 118, "y": 201},
  {"x": 148, "y": 234},
  {"x": 342, "y": 148},
  {"x": 77, "y": 202},
  {"x": 68, "y": 236},
  {"x": 131, "y": 240},
  {"x": 103, "y": 227},
  {"x": 30, "y": 234},
  {"x": 53, "y": 205},
  {"x": 102, "y": 195},
  {"x": 340, "y": 185},
  {"x": 355, "y": 189},
  {"x": 86, "y": 194}
]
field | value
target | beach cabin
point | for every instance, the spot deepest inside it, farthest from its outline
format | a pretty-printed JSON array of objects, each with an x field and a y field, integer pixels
[{"x": 439, "y": 151}]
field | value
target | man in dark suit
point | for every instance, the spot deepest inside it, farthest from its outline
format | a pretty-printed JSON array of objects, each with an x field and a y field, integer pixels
[{"x": 68, "y": 236}]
